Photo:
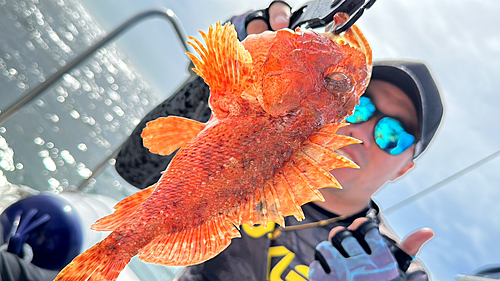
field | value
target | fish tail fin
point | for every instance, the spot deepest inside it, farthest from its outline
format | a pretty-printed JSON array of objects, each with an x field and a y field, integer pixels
[
  {"x": 123, "y": 210},
  {"x": 224, "y": 63},
  {"x": 94, "y": 264},
  {"x": 166, "y": 134}
]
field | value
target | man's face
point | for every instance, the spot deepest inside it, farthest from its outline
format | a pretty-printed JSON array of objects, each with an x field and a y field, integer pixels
[{"x": 376, "y": 166}]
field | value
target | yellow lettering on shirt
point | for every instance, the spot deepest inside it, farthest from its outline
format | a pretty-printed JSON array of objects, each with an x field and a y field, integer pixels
[
  {"x": 258, "y": 231},
  {"x": 282, "y": 265},
  {"x": 294, "y": 276},
  {"x": 300, "y": 272},
  {"x": 304, "y": 270}
]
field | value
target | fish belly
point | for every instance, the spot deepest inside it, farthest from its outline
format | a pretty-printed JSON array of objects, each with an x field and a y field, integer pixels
[{"x": 221, "y": 168}]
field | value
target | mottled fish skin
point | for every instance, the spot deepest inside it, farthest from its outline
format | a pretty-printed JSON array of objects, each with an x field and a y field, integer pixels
[
  {"x": 213, "y": 176},
  {"x": 277, "y": 100}
]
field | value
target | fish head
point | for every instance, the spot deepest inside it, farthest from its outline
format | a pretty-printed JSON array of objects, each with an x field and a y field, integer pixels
[{"x": 309, "y": 72}]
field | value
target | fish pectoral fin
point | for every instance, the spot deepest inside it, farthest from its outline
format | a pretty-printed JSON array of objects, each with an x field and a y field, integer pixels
[
  {"x": 190, "y": 246},
  {"x": 123, "y": 210},
  {"x": 327, "y": 138},
  {"x": 313, "y": 162},
  {"x": 319, "y": 149},
  {"x": 317, "y": 157},
  {"x": 224, "y": 64},
  {"x": 308, "y": 170},
  {"x": 166, "y": 134},
  {"x": 260, "y": 208}
]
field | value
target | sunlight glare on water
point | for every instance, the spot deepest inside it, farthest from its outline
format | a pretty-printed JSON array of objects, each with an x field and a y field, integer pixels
[{"x": 71, "y": 128}]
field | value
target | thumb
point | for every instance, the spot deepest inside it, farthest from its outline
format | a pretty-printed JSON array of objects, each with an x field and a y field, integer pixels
[
  {"x": 412, "y": 243},
  {"x": 279, "y": 15}
]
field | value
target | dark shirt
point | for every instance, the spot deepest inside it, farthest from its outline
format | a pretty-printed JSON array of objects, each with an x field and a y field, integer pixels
[{"x": 258, "y": 256}]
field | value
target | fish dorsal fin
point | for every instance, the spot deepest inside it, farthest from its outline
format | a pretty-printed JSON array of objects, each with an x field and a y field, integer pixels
[
  {"x": 225, "y": 66},
  {"x": 299, "y": 180},
  {"x": 166, "y": 134},
  {"x": 123, "y": 210},
  {"x": 190, "y": 246}
]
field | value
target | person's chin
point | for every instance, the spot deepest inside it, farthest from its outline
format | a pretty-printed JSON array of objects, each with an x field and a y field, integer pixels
[{"x": 345, "y": 175}]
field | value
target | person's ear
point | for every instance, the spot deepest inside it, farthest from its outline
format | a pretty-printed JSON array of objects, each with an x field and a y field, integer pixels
[{"x": 406, "y": 167}]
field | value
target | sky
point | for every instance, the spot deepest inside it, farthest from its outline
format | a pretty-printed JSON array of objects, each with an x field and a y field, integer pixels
[{"x": 458, "y": 42}]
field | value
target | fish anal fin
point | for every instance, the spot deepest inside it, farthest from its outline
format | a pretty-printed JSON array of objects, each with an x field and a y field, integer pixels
[
  {"x": 123, "y": 210},
  {"x": 166, "y": 134},
  {"x": 190, "y": 246}
]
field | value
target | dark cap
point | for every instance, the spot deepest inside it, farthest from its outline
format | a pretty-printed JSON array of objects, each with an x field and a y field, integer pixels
[{"x": 415, "y": 80}]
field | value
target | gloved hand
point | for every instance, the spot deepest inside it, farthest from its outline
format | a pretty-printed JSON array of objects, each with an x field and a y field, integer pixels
[
  {"x": 275, "y": 16},
  {"x": 357, "y": 253}
]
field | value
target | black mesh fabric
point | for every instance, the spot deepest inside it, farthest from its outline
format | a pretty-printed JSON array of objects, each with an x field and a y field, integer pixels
[{"x": 135, "y": 163}]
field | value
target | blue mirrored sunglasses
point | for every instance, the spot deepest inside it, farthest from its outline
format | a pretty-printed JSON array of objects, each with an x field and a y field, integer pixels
[{"x": 389, "y": 134}]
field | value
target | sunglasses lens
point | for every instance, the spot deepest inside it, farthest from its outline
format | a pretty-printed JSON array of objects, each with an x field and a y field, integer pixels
[
  {"x": 392, "y": 137},
  {"x": 363, "y": 111}
]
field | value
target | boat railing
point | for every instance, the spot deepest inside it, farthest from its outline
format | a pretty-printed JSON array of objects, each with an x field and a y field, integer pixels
[
  {"x": 164, "y": 13},
  {"x": 167, "y": 14}
]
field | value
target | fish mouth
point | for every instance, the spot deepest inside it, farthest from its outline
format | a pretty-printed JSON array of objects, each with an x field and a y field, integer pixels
[{"x": 353, "y": 37}]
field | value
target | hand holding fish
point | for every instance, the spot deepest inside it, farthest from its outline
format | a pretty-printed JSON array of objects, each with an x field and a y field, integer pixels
[
  {"x": 277, "y": 99},
  {"x": 360, "y": 252},
  {"x": 279, "y": 17},
  {"x": 356, "y": 253}
]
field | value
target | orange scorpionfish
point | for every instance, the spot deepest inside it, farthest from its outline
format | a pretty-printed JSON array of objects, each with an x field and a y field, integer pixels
[{"x": 277, "y": 100}]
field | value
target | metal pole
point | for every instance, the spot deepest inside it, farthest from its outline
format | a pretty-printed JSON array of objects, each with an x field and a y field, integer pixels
[
  {"x": 165, "y": 13},
  {"x": 440, "y": 184}
]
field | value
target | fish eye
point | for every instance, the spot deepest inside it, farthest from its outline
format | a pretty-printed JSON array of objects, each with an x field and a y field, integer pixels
[{"x": 338, "y": 82}]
